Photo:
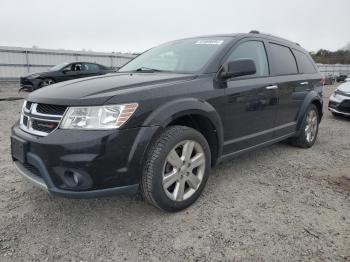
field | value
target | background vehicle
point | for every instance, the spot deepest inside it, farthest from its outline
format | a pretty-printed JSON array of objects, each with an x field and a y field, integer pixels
[
  {"x": 339, "y": 102},
  {"x": 341, "y": 78},
  {"x": 167, "y": 117},
  {"x": 62, "y": 72}
]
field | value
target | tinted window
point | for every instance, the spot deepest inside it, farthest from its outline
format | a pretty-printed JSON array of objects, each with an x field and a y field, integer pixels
[
  {"x": 254, "y": 50},
  {"x": 91, "y": 67},
  {"x": 282, "y": 60},
  {"x": 304, "y": 63}
]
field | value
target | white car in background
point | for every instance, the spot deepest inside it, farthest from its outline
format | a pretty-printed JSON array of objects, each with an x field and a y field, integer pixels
[{"x": 339, "y": 102}]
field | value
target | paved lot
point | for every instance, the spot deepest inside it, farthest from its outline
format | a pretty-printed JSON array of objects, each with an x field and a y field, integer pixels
[{"x": 278, "y": 203}]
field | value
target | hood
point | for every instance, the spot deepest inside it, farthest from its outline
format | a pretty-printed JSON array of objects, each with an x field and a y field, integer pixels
[
  {"x": 31, "y": 75},
  {"x": 344, "y": 87},
  {"x": 97, "y": 90}
]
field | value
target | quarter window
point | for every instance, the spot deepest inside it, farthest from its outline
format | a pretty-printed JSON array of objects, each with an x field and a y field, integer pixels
[
  {"x": 282, "y": 60},
  {"x": 254, "y": 50},
  {"x": 91, "y": 67},
  {"x": 304, "y": 63}
]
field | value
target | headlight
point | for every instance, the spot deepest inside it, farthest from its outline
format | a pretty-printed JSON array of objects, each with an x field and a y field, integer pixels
[{"x": 97, "y": 117}]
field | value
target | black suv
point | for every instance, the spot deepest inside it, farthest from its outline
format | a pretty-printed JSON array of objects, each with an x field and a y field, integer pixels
[
  {"x": 62, "y": 72},
  {"x": 161, "y": 122}
]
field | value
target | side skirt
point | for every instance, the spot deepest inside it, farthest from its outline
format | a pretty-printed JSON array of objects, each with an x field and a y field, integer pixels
[{"x": 246, "y": 150}]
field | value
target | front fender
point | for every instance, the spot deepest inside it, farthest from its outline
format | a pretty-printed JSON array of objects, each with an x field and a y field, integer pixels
[{"x": 170, "y": 111}]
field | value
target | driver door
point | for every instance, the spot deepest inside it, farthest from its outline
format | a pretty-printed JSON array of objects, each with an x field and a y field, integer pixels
[
  {"x": 251, "y": 101},
  {"x": 73, "y": 71}
]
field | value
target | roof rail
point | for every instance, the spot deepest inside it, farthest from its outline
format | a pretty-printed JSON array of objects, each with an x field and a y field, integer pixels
[{"x": 254, "y": 32}]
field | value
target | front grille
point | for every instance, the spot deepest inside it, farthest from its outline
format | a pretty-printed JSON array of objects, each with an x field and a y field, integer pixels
[
  {"x": 44, "y": 126},
  {"x": 32, "y": 169},
  {"x": 51, "y": 109},
  {"x": 344, "y": 106},
  {"x": 41, "y": 119},
  {"x": 332, "y": 104},
  {"x": 28, "y": 105}
]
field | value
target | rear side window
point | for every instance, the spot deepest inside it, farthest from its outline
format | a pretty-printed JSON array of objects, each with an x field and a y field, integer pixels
[
  {"x": 282, "y": 60},
  {"x": 254, "y": 50},
  {"x": 91, "y": 67},
  {"x": 304, "y": 63}
]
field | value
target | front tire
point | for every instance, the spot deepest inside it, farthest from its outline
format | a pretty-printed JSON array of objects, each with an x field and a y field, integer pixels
[
  {"x": 176, "y": 169},
  {"x": 308, "y": 129}
]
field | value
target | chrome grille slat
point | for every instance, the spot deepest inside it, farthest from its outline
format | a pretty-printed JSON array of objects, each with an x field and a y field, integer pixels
[{"x": 38, "y": 123}]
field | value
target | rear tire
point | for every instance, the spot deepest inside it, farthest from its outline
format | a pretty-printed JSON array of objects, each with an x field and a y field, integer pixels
[
  {"x": 176, "y": 169},
  {"x": 308, "y": 129}
]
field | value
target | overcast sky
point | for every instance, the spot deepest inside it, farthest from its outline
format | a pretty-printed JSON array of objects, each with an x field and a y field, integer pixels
[{"x": 133, "y": 26}]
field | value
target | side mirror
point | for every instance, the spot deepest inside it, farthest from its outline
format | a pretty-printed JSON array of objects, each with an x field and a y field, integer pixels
[{"x": 240, "y": 67}]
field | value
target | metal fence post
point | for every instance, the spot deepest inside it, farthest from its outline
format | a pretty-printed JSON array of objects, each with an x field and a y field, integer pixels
[{"x": 27, "y": 60}]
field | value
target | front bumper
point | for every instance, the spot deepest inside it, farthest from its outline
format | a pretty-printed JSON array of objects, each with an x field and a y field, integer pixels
[
  {"x": 30, "y": 84},
  {"x": 104, "y": 162},
  {"x": 340, "y": 104}
]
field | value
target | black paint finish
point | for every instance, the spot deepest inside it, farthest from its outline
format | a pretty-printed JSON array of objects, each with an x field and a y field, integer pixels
[{"x": 244, "y": 113}]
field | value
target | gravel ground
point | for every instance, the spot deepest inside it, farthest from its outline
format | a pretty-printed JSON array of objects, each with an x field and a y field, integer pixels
[{"x": 279, "y": 203}]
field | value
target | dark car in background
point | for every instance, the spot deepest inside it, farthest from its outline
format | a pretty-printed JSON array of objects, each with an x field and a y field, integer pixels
[
  {"x": 341, "y": 78},
  {"x": 62, "y": 72}
]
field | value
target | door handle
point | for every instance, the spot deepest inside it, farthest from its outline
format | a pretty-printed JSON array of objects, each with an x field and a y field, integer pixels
[
  {"x": 304, "y": 83},
  {"x": 271, "y": 87}
]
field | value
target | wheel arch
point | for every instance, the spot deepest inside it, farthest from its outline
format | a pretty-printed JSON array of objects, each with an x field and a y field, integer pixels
[
  {"x": 311, "y": 98},
  {"x": 195, "y": 113}
]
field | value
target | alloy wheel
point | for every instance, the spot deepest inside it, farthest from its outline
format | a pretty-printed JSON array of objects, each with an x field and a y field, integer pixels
[
  {"x": 47, "y": 82},
  {"x": 183, "y": 170},
  {"x": 311, "y": 126}
]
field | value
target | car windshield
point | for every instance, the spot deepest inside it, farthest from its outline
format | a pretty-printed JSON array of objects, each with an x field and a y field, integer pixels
[
  {"x": 185, "y": 56},
  {"x": 58, "y": 67}
]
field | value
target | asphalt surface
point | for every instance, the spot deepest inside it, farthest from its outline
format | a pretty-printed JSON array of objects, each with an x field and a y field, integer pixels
[{"x": 278, "y": 203}]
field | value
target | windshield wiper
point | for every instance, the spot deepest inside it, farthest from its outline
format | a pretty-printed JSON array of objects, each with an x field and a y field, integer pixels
[{"x": 148, "y": 69}]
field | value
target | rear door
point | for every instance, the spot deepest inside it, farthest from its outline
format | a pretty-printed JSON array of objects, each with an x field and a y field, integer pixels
[
  {"x": 90, "y": 69},
  {"x": 250, "y": 109},
  {"x": 310, "y": 77},
  {"x": 290, "y": 86}
]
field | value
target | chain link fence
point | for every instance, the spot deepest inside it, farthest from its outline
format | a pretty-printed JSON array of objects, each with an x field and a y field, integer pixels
[{"x": 334, "y": 70}]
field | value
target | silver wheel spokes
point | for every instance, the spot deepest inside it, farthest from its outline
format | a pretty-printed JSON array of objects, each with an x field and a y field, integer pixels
[
  {"x": 47, "y": 82},
  {"x": 183, "y": 170},
  {"x": 311, "y": 126}
]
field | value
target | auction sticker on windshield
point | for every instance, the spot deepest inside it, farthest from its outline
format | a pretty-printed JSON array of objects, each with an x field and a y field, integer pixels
[{"x": 209, "y": 42}]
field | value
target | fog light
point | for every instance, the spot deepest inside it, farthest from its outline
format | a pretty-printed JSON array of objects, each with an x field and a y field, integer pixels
[
  {"x": 76, "y": 179},
  {"x": 72, "y": 178}
]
